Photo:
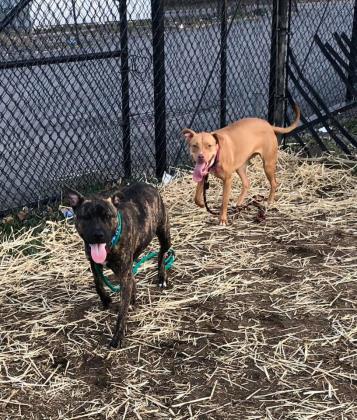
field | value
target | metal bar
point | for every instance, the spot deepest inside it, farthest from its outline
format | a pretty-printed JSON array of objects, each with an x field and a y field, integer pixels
[
  {"x": 44, "y": 61},
  {"x": 222, "y": 4},
  {"x": 323, "y": 106},
  {"x": 278, "y": 62},
  {"x": 125, "y": 89},
  {"x": 316, "y": 109},
  {"x": 336, "y": 67},
  {"x": 352, "y": 70},
  {"x": 75, "y": 21},
  {"x": 13, "y": 13},
  {"x": 335, "y": 55},
  {"x": 307, "y": 124},
  {"x": 158, "y": 41},
  {"x": 337, "y": 140},
  {"x": 342, "y": 46},
  {"x": 346, "y": 40},
  {"x": 272, "y": 71}
]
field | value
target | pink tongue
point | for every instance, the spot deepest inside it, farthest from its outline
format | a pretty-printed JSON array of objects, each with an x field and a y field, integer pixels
[
  {"x": 198, "y": 172},
  {"x": 98, "y": 253}
]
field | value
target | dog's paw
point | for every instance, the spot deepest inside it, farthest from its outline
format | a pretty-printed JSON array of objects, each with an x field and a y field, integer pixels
[
  {"x": 106, "y": 301},
  {"x": 223, "y": 222},
  {"x": 200, "y": 204},
  {"x": 116, "y": 342},
  {"x": 162, "y": 284}
]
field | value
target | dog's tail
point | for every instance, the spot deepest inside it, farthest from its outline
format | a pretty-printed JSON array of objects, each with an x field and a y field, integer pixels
[{"x": 286, "y": 130}]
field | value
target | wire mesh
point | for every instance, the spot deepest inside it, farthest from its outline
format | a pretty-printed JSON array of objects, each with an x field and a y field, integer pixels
[{"x": 91, "y": 91}]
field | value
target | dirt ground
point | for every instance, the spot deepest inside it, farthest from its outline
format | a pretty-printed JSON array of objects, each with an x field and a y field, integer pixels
[{"x": 259, "y": 320}]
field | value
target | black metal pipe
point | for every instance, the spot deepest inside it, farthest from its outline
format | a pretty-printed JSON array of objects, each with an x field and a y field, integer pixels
[
  {"x": 352, "y": 71},
  {"x": 337, "y": 140},
  {"x": 278, "y": 62},
  {"x": 315, "y": 107},
  {"x": 125, "y": 88},
  {"x": 341, "y": 45},
  {"x": 330, "y": 50},
  {"x": 61, "y": 59},
  {"x": 222, "y": 4},
  {"x": 321, "y": 103},
  {"x": 325, "y": 51},
  {"x": 272, "y": 70},
  {"x": 158, "y": 44},
  {"x": 75, "y": 21}
]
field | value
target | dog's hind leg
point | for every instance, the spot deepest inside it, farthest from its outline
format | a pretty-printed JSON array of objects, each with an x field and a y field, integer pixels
[
  {"x": 104, "y": 297},
  {"x": 163, "y": 234},
  {"x": 242, "y": 172},
  {"x": 269, "y": 169}
]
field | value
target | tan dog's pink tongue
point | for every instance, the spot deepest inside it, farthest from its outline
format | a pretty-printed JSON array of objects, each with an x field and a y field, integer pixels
[
  {"x": 199, "y": 172},
  {"x": 98, "y": 253}
]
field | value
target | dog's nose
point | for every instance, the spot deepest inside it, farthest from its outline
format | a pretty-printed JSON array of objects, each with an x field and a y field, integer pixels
[
  {"x": 98, "y": 237},
  {"x": 200, "y": 157}
]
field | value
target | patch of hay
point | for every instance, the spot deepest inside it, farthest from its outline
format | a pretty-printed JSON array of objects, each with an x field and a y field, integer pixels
[{"x": 260, "y": 321}]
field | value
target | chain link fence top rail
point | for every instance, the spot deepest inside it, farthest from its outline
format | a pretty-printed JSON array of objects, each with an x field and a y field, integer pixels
[{"x": 69, "y": 69}]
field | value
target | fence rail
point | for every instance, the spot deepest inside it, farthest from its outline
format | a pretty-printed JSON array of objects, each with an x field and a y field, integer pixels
[{"x": 91, "y": 91}]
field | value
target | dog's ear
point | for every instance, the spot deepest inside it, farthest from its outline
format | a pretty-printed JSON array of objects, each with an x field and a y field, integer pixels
[
  {"x": 188, "y": 134},
  {"x": 75, "y": 198},
  {"x": 116, "y": 199}
]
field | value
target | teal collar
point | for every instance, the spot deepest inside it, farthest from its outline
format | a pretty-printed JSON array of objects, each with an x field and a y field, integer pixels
[
  {"x": 168, "y": 260},
  {"x": 117, "y": 234}
]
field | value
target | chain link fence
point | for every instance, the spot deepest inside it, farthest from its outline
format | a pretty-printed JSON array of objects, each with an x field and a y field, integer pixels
[{"x": 91, "y": 91}]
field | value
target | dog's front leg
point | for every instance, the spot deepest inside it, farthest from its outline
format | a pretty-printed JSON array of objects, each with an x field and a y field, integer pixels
[
  {"x": 98, "y": 281},
  {"x": 227, "y": 186},
  {"x": 199, "y": 194},
  {"x": 127, "y": 289}
]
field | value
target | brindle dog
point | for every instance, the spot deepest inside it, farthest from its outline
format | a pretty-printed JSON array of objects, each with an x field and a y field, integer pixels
[{"x": 143, "y": 216}]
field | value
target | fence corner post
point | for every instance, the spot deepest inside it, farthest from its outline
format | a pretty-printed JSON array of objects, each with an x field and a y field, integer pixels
[
  {"x": 278, "y": 62},
  {"x": 158, "y": 45},
  {"x": 222, "y": 9},
  {"x": 124, "y": 71},
  {"x": 352, "y": 67}
]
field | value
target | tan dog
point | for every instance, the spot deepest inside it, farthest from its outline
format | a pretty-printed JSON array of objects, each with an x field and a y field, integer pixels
[{"x": 228, "y": 150}]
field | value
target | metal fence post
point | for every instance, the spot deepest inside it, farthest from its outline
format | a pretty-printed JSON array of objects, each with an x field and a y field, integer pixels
[
  {"x": 222, "y": 7},
  {"x": 74, "y": 11},
  {"x": 158, "y": 41},
  {"x": 124, "y": 72},
  {"x": 278, "y": 62},
  {"x": 352, "y": 68}
]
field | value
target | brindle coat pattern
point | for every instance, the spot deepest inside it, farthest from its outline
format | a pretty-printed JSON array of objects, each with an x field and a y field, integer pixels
[{"x": 143, "y": 216}]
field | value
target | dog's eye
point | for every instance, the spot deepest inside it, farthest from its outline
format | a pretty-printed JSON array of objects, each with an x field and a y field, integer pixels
[
  {"x": 107, "y": 216},
  {"x": 194, "y": 147}
]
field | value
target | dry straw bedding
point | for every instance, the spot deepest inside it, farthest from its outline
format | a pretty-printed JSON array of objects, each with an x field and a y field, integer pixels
[{"x": 259, "y": 322}]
